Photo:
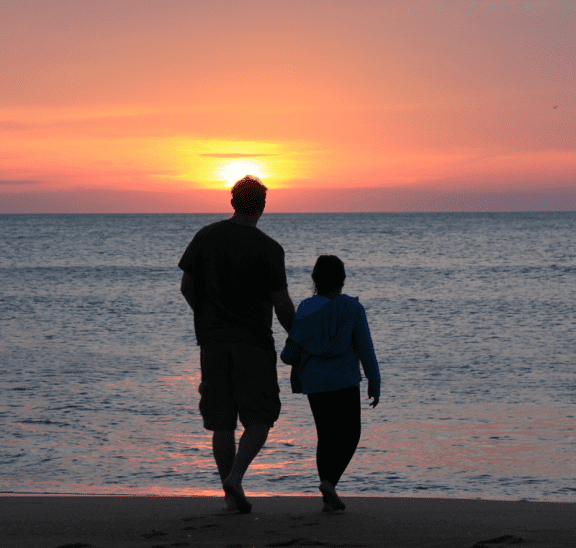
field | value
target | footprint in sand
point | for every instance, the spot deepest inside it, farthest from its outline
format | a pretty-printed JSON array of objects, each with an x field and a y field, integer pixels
[
  {"x": 301, "y": 541},
  {"x": 193, "y": 518},
  {"x": 297, "y": 542},
  {"x": 170, "y": 545},
  {"x": 506, "y": 539},
  {"x": 196, "y": 527},
  {"x": 76, "y": 545},
  {"x": 154, "y": 533}
]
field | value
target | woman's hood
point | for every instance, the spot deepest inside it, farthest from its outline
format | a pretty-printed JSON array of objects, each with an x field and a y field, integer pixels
[{"x": 323, "y": 327}]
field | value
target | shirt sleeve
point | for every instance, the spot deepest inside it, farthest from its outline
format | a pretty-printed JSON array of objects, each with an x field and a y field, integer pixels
[
  {"x": 277, "y": 270},
  {"x": 187, "y": 261},
  {"x": 362, "y": 343}
]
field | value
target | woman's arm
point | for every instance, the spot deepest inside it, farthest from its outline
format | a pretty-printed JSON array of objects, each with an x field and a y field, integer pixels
[{"x": 362, "y": 343}]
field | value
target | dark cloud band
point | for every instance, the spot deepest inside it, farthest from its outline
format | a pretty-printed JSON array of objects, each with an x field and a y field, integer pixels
[
  {"x": 19, "y": 182},
  {"x": 234, "y": 155}
]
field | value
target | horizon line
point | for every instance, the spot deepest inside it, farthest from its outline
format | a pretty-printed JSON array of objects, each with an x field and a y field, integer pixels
[{"x": 297, "y": 212}]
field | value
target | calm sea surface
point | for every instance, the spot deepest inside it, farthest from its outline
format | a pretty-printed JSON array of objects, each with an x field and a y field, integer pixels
[{"x": 473, "y": 318}]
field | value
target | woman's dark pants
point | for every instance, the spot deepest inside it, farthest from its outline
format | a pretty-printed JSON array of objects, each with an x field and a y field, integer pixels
[{"x": 338, "y": 424}]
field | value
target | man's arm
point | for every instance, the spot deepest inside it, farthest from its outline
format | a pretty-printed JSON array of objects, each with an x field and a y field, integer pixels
[
  {"x": 292, "y": 353},
  {"x": 284, "y": 308},
  {"x": 187, "y": 289}
]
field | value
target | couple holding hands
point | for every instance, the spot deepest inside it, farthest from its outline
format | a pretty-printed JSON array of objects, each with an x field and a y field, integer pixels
[{"x": 234, "y": 279}]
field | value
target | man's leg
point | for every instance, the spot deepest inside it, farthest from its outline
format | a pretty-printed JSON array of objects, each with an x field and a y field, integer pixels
[
  {"x": 218, "y": 408},
  {"x": 224, "y": 448},
  {"x": 256, "y": 394},
  {"x": 251, "y": 442}
]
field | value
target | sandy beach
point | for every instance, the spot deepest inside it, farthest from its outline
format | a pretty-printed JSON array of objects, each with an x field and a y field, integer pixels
[{"x": 146, "y": 522}]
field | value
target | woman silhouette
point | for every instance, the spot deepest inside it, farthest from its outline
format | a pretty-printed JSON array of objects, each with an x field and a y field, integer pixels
[{"x": 328, "y": 339}]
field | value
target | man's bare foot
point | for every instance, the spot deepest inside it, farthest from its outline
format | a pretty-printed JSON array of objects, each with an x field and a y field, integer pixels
[
  {"x": 329, "y": 491},
  {"x": 237, "y": 493}
]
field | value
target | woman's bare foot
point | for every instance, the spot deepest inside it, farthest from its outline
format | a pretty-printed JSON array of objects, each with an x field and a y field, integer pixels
[
  {"x": 234, "y": 490},
  {"x": 230, "y": 504},
  {"x": 327, "y": 507},
  {"x": 329, "y": 491}
]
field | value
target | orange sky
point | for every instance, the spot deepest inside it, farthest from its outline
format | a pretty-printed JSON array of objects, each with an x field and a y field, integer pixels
[{"x": 146, "y": 105}]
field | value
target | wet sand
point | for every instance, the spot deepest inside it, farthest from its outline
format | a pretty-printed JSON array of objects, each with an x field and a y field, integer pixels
[{"x": 146, "y": 522}]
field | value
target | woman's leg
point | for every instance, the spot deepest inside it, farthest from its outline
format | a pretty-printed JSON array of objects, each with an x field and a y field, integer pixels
[{"x": 338, "y": 425}]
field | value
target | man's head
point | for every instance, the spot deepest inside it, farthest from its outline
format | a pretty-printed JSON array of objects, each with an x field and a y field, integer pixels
[{"x": 249, "y": 196}]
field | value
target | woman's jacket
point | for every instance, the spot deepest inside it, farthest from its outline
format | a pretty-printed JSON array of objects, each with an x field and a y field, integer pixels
[{"x": 328, "y": 339}]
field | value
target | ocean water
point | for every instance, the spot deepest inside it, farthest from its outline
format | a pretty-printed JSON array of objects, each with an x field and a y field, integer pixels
[{"x": 473, "y": 318}]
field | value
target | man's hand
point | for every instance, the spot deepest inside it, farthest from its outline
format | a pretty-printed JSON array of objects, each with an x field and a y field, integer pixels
[
  {"x": 371, "y": 392},
  {"x": 284, "y": 308}
]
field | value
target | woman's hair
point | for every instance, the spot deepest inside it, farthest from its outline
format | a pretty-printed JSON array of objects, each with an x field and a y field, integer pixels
[{"x": 328, "y": 274}]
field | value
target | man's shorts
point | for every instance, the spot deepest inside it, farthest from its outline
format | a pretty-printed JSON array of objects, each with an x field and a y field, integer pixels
[{"x": 238, "y": 379}]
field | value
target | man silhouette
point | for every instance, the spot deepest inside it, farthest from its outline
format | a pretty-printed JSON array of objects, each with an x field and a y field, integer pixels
[{"x": 234, "y": 276}]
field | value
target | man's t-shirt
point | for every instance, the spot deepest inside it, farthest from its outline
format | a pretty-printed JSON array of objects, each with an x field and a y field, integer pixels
[{"x": 235, "y": 269}]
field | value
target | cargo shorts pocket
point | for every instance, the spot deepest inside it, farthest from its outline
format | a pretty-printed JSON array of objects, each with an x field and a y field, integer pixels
[
  {"x": 253, "y": 395},
  {"x": 259, "y": 404}
]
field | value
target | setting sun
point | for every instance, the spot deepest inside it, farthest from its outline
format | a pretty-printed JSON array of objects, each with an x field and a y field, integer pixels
[
  {"x": 218, "y": 164},
  {"x": 231, "y": 171}
]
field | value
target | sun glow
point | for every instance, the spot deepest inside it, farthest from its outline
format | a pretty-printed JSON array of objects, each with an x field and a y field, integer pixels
[
  {"x": 231, "y": 170},
  {"x": 215, "y": 164}
]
